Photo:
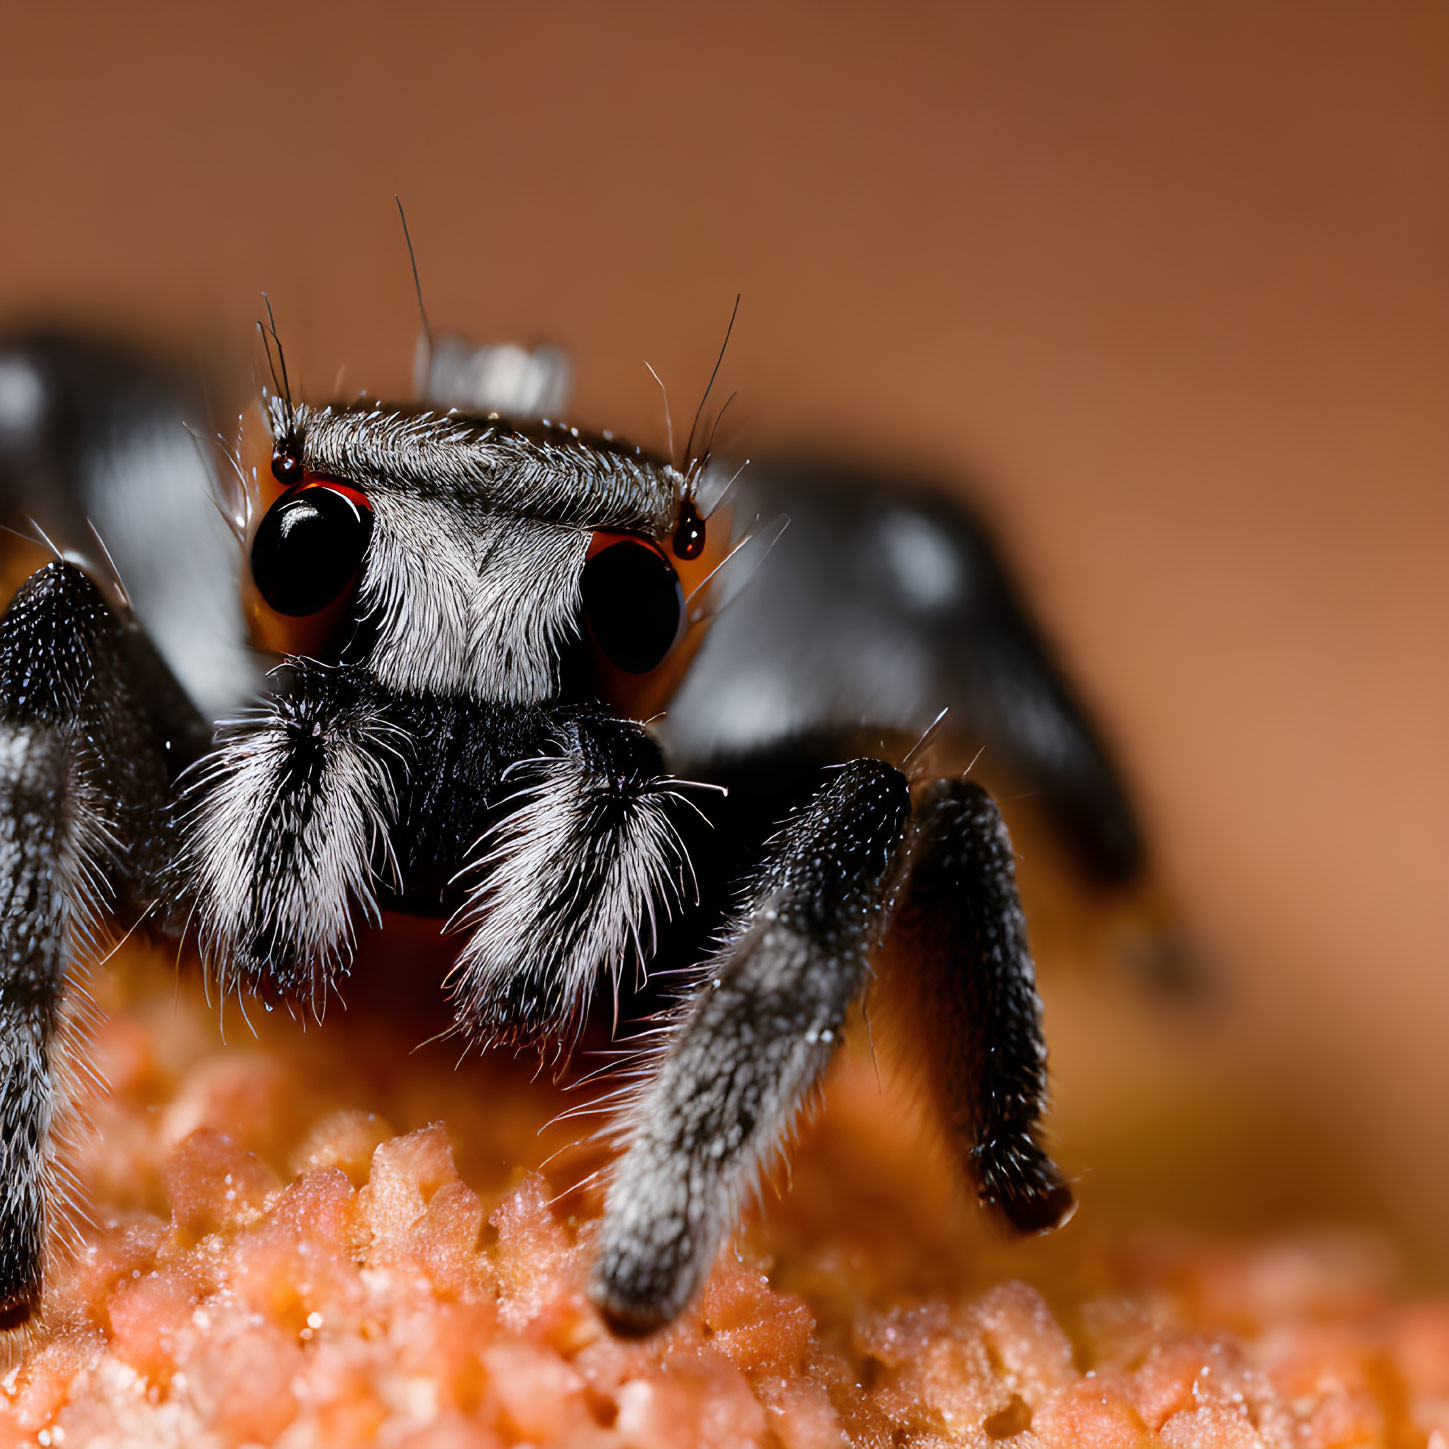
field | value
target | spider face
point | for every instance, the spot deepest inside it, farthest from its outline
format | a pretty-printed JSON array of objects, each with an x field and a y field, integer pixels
[
  {"x": 475, "y": 615},
  {"x": 470, "y": 557}
]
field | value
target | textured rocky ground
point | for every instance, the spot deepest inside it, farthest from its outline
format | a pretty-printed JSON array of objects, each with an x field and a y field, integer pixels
[{"x": 286, "y": 1253}]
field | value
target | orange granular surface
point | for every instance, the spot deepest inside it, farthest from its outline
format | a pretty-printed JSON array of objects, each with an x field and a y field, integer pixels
[{"x": 318, "y": 1238}]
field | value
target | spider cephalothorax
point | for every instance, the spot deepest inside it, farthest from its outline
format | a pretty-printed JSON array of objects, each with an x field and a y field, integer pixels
[{"x": 476, "y": 613}]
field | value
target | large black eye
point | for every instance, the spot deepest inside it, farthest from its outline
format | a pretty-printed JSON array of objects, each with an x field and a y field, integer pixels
[
  {"x": 634, "y": 604},
  {"x": 308, "y": 548}
]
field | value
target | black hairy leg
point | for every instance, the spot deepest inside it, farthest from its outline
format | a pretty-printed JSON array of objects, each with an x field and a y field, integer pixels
[
  {"x": 763, "y": 1027},
  {"x": 92, "y": 731},
  {"x": 855, "y": 865},
  {"x": 967, "y": 983},
  {"x": 587, "y": 857}
]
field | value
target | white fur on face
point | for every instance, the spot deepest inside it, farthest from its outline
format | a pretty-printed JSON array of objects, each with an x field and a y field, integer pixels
[
  {"x": 471, "y": 583},
  {"x": 551, "y": 473},
  {"x": 483, "y": 610}
]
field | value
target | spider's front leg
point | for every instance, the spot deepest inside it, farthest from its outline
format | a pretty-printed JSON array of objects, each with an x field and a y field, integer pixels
[
  {"x": 93, "y": 730},
  {"x": 286, "y": 829},
  {"x": 772, "y": 1005},
  {"x": 767, "y": 1020}
]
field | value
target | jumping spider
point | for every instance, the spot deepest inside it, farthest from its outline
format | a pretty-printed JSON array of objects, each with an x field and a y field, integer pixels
[{"x": 474, "y": 615}]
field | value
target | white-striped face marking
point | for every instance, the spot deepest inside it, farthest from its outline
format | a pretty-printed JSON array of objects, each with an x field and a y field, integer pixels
[{"x": 470, "y": 558}]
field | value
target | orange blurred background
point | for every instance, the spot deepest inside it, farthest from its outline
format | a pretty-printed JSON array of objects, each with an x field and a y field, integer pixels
[{"x": 1170, "y": 282}]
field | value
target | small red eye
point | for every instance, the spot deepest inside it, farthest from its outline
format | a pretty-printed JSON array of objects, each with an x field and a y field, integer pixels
[
  {"x": 286, "y": 467},
  {"x": 689, "y": 535},
  {"x": 633, "y": 602},
  {"x": 309, "y": 547}
]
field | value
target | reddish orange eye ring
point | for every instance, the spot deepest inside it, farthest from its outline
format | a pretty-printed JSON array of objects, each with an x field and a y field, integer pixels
[
  {"x": 309, "y": 547},
  {"x": 634, "y": 604}
]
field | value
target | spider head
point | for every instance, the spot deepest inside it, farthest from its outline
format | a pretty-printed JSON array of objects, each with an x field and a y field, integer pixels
[{"x": 473, "y": 557}]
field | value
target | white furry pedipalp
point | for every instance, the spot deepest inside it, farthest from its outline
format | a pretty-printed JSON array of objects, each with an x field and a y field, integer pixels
[
  {"x": 257, "y": 868},
  {"x": 572, "y": 878}
]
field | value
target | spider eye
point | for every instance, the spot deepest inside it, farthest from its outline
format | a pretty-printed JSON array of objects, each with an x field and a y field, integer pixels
[
  {"x": 634, "y": 604},
  {"x": 309, "y": 547},
  {"x": 286, "y": 465}
]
